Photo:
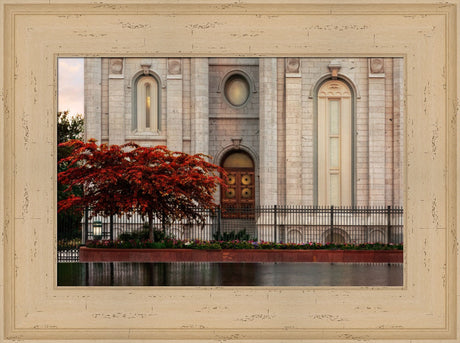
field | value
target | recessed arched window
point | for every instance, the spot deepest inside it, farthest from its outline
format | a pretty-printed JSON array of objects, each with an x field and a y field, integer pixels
[
  {"x": 146, "y": 109},
  {"x": 238, "y": 159},
  {"x": 334, "y": 144}
]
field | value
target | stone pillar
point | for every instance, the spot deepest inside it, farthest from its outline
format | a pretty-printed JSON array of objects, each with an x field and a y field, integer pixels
[
  {"x": 93, "y": 98},
  {"x": 116, "y": 102},
  {"x": 376, "y": 132},
  {"x": 200, "y": 105},
  {"x": 293, "y": 132},
  {"x": 268, "y": 166},
  {"x": 398, "y": 134},
  {"x": 174, "y": 129},
  {"x": 389, "y": 132}
]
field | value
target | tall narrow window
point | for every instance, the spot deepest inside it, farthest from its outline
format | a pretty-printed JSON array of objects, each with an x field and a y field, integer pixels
[
  {"x": 147, "y": 105},
  {"x": 146, "y": 116},
  {"x": 334, "y": 144}
]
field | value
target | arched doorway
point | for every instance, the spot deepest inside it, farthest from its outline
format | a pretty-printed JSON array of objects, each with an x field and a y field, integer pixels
[{"x": 239, "y": 197}]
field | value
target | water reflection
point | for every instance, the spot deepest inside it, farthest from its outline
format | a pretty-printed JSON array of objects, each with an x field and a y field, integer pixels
[{"x": 228, "y": 274}]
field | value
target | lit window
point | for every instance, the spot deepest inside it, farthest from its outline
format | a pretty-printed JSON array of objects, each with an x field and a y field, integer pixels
[
  {"x": 238, "y": 160},
  {"x": 237, "y": 90},
  {"x": 147, "y": 105},
  {"x": 334, "y": 144},
  {"x": 146, "y": 114}
]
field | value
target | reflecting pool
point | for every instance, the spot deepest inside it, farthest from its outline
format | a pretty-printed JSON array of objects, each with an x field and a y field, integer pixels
[{"x": 229, "y": 274}]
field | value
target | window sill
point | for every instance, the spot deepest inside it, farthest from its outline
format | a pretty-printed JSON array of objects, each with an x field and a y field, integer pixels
[{"x": 154, "y": 136}]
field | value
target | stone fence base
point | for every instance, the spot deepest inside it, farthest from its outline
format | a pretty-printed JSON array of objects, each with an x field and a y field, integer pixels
[{"x": 238, "y": 255}]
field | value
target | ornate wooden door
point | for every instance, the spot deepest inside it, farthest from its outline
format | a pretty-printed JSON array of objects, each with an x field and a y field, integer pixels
[
  {"x": 240, "y": 189},
  {"x": 238, "y": 199}
]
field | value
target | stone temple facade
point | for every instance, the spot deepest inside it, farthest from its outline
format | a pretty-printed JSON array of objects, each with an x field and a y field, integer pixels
[{"x": 290, "y": 131}]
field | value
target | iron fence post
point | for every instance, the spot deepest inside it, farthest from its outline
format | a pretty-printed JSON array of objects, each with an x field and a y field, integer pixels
[
  {"x": 111, "y": 228},
  {"x": 86, "y": 226},
  {"x": 274, "y": 223},
  {"x": 218, "y": 222},
  {"x": 332, "y": 224},
  {"x": 388, "y": 224}
]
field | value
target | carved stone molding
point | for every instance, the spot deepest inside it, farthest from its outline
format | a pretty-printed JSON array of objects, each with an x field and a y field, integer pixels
[
  {"x": 334, "y": 68},
  {"x": 376, "y": 66},
  {"x": 174, "y": 66},
  {"x": 116, "y": 66},
  {"x": 146, "y": 67},
  {"x": 236, "y": 142},
  {"x": 292, "y": 65}
]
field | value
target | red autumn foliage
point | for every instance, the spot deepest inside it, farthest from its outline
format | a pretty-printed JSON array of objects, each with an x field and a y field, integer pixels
[{"x": 152, "y": 181}]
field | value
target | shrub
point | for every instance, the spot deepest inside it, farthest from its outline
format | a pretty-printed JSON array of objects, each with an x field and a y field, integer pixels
[
  {"x": 142, "y": 235},
  {"x": 206, "y": 245},
  {"x": 241, "y": 235},
  {"x": 236, "y": 244}
]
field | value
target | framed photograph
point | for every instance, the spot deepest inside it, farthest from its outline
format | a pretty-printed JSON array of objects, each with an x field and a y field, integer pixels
[
  {"x": 417, "y": 43},
  {"x": 330, "y": 208}
]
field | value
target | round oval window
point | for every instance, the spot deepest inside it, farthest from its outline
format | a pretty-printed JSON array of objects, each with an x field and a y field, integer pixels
[{"x": 237, "y": 90}]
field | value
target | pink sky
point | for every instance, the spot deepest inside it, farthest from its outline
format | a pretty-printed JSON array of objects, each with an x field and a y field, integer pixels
[{"x": 70, "y": 85}]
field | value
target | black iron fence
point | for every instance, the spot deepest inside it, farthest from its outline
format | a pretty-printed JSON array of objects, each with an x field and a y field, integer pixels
[
  {"x": 289, "y": 224},
  {"x": 68, "y": 255}
]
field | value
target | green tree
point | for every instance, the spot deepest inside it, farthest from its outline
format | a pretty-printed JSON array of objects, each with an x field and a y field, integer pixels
[{"x": 68, "y": 128}]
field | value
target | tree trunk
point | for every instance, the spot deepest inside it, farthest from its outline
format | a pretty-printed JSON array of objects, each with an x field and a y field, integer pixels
[{"x": 151, "y": 235}]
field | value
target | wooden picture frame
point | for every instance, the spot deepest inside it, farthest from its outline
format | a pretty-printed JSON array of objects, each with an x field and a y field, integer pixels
[{"x": 36, "y": 33}]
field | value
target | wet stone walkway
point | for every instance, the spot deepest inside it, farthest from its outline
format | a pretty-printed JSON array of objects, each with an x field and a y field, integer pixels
[{"x": 229, "y": 274}]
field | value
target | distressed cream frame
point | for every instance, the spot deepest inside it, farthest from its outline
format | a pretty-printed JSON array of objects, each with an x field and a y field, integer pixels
[{"x": 35, "y": 34}]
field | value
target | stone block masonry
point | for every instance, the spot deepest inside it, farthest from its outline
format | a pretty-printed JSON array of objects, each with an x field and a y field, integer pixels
[
  {"x": 174, "y": 97},
  {"x": 293, "y": 98},
  {"x": 200, "y": 106},
  {"x": 277, "y": 125},
  {"x": 116, "y": 113},
  {"x": 93, "y": 105},
  {"x": 268, "y": 131}
]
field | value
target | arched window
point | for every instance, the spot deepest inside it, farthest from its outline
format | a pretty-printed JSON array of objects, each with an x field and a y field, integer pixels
[
  {"x": 146, "y": 110},
  {"x": 334, "y": 143}
]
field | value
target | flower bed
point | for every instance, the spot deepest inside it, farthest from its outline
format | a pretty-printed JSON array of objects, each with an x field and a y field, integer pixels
[
  {"x": 237, "y": 251},
  {"x": 170, "y": 243}
]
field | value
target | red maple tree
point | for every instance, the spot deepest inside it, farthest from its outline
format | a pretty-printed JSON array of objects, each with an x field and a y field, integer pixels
[{"x": 152, "y": 181}]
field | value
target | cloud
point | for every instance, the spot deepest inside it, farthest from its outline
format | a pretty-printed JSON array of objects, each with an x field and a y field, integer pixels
[{"x": 71, "y": 85}]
